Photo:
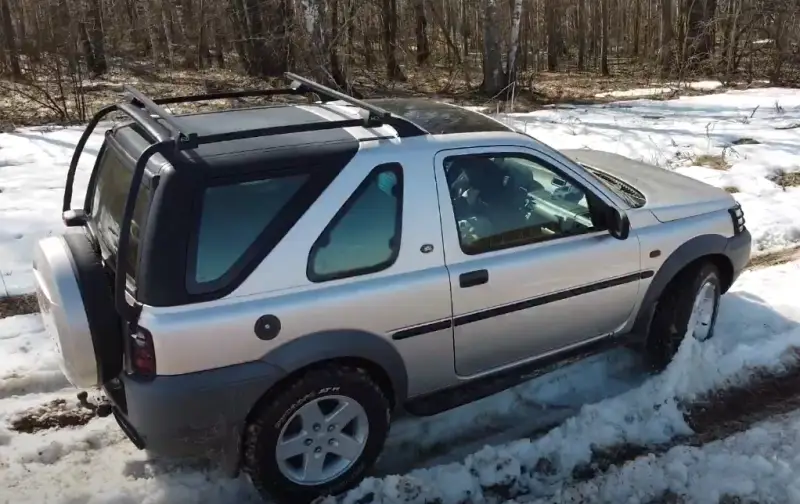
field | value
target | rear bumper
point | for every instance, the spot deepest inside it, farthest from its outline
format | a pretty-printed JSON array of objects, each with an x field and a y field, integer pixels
[
  {"x": 192, "y": 415},
  {"x": 738, "y": 250}
]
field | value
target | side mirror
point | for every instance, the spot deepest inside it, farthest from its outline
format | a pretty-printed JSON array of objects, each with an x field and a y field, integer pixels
[{"x": 618, "y": 224}]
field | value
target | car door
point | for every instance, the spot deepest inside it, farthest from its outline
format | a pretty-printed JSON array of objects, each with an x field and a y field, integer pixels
[{"x": 531, "y": 264}]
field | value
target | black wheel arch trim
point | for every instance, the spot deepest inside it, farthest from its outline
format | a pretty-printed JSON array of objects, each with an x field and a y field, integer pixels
[
  {"x": 682, "y": 256},
  {"x": 324, "y": 346}
]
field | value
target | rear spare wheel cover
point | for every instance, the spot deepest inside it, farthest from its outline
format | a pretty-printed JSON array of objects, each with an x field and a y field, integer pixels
[
  {"x": 105, "y": 326},
  {"x": 63, "y": 312}
]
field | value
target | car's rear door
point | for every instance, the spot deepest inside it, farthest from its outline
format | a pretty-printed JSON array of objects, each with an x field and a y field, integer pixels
[{"x": 532, "y": 270}]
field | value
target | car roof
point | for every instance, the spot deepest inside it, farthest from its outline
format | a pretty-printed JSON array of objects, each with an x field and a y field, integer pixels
[{"x": 435, "y": 117}]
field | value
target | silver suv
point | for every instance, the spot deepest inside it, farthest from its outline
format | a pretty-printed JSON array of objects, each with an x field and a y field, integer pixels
[{"x": 270, "y": 286}]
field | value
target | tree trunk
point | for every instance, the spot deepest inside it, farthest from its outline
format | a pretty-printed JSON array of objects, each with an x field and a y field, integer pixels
[
  {"x": 596, "y": 21},
  {"x": 493, "y": 75},
  {"x": 604, "y": 38},
  {"x": 551, "y": 20},
  {"x": 706, "y": 46},
  {"x": 254, "y": 34},
  {"x": 513, "y": 41},
  {"x": 694, "y": 32},
  {"x": 733, "y": 39},
  {"x": 393, "y": 70},
  {"x": 203, "y": 54},
  {"x": 421, "y": 32},
  {"x": 170, "y": 42},
  {"x": 91, "y": 35},
  {"x": 637, "y": 20},
  {"x": 580, "y": 28},
  {"x": 666, "y": 38},
  {"x": 316, "y": 26},
  {"x": 333, "y": 52},
  {"x": 10, "y": 39}
]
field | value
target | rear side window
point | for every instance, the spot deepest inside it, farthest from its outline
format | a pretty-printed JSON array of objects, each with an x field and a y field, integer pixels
[
  {"x": 233, "y": 218},
  {"x": 364, "y": 236},
  {"x": 108, "y": 204}
]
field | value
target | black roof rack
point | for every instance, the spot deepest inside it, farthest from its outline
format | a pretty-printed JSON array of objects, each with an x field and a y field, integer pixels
[
  {"x": 178, "y": 139},
  {"x": 376, "y": 116}
]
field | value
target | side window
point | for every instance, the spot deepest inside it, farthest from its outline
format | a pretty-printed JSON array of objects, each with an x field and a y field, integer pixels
[
  {"x": 364, "y": 236},
  {"x": 233, "y": 218},
  {"x": 108, "y": 204},
  {"x": 503, "y": 201}
]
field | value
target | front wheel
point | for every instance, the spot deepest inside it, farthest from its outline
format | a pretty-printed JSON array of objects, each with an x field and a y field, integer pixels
[
  {"x": 318, "y": 436},
  {"x": 689, "y": 305}
]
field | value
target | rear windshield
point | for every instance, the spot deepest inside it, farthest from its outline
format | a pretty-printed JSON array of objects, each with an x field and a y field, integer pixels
[{"x": 108, "y": 204}]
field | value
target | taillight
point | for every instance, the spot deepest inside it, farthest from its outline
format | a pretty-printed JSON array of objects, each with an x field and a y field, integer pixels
[
  {"x": 737, "y": 216},
  {"x": 143, "y": 354}
]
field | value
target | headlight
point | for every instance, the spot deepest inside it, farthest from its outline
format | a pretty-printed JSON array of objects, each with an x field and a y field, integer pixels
[{"x": 737, "y": 216}]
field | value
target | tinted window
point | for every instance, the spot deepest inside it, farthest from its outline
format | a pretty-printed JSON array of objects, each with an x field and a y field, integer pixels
[
  {"x": 108, "y": 205},
  {"x": 233, "y": 216},
  {"x": 511, "y": 200},
  {"x": 364, "y": 236}
]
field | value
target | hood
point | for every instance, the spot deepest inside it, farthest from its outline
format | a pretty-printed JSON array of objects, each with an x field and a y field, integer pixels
[{"x": 668, "y": 195}]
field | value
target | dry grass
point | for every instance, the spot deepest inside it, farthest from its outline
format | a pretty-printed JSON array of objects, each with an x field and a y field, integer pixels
[
  {"x": 18, "y": 305},
  {"x": 775, "y": 258},
  {"x": 56, "y": 414},
  {"x": 19, "y": 107},
  {"x": 715, "y": 162},
  {"x": 786, "y": 179},
  {"x": 731, "y": 189}
]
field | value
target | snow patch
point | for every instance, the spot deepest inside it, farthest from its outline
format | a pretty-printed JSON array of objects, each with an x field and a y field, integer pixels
[
  {"x": 758, "y": 465},
  {"x": 676, "y": 134}
]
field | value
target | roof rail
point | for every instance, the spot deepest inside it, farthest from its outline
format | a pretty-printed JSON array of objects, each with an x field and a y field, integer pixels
[
  {"x": 376, "y": 116},
  {"x": 179, "y": 140}
]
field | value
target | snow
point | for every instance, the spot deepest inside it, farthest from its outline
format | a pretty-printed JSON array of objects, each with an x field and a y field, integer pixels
[
  {"x": 676, "y": 134},
  {"x": 760, "y": 464},
  {"x": 33, "y": 170},
  {"x": 552, "y": 422},
  {"x": 30, "y": 361},
  {"x": 655, "y": 91}
]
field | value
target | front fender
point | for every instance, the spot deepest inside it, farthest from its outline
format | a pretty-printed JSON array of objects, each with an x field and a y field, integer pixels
[{"x": 697, "y": 247}]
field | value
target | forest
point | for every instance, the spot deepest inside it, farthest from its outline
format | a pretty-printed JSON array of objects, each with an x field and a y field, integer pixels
[{"x": 55, "y": 51}]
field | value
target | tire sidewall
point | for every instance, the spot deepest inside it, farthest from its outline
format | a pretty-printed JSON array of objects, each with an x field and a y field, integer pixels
[
  {"x": 266, "y": 431},
  {"x": 707, "y": 273},
  {"x": 672, "y": 314}
]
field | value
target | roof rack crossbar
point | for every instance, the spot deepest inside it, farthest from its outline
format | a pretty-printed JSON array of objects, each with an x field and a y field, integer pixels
[
  {"x": 404, "y": 127},
  {"x": 332, "y": 94},
  {"x": 273, "y": 130}
]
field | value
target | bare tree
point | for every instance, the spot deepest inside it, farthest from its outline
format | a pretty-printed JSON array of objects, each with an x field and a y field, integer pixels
[
  {"x": 666, "y": 37},
  {"x": 493, "y": 76},
  {"x": 10, "y": 39},
  {"x": 604, "y": 37}
]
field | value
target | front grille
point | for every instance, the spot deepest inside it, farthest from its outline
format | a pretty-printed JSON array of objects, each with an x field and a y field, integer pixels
[{"x": 737, "y": 217}]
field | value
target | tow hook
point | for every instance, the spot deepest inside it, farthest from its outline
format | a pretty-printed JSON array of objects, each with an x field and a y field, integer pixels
[{"x": 101, "y": 407}]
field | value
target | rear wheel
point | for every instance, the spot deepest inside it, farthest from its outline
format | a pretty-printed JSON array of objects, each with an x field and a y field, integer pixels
[
  {"x": 688, "y": 306},
  {"x": 318, "y": 436}
]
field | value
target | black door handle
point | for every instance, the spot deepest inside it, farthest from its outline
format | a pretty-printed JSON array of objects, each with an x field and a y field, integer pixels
[{"x": 473, "y": 278}]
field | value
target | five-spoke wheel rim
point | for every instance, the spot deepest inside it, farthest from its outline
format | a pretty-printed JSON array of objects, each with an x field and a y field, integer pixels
[
  {"x": 322, "y": 440},
  {"x": 702, "y": 316}
]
